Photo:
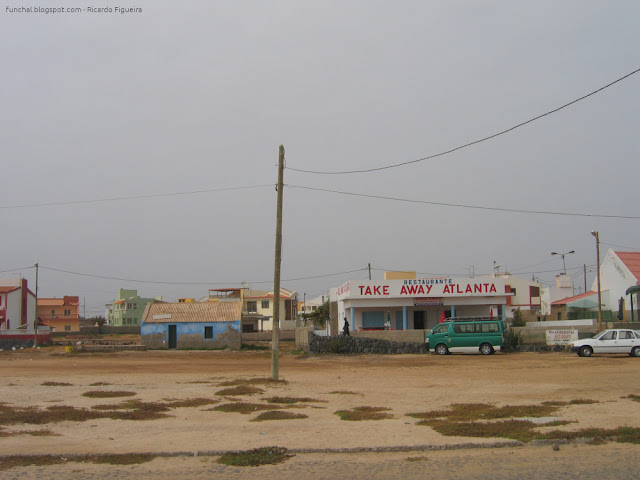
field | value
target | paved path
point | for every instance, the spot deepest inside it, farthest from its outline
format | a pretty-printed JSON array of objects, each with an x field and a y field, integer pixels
[{"x": 611, "y": 461}]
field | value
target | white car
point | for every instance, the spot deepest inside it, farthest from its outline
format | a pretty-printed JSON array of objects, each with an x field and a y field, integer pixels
[{"x": 617, "y": 340}]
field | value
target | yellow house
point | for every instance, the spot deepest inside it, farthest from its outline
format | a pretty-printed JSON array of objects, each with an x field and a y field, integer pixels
[{"x": 257, "y": 307}]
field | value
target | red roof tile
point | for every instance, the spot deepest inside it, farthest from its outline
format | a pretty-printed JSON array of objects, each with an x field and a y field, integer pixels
[{"x": 632, "y": 262}]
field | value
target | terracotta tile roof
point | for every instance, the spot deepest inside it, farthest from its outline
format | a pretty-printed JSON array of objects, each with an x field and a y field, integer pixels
[
  {"x": 50, "y": 302},
  {"x": 200, "y": 312},
  {"x": 564, "y": 301},
  {"x": 119, "y": 302},
  {"x": 632, "y": 262},
  {"x": 8, "y": 289}
]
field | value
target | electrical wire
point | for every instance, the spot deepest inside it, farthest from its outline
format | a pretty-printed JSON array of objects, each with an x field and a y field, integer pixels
[
  {"x": 460, "y": 205},
  {"x": 619, "y": 246},
  {"x": 386, "y": 167},
  {"x": 17, "y": 269},
  {"x": 134, "y": 197},
  {"x": 189, "y": 283}
]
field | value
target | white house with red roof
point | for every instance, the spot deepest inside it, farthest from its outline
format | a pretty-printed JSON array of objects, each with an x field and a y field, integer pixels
[
  {"x": 619, "y": 272},
  {"x": 18, "y": 313}
]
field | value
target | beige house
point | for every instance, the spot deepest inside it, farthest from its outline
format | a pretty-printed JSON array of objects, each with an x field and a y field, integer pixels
[{"x": 258, "y": 305}]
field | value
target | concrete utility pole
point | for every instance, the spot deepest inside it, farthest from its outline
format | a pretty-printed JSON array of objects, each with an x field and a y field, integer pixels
[
  {"x": 597, "y": 235},
  {"x": 369, "y": 271},
  {"x": 35, "y": 321},
  {"x": 275, "y": 339}
]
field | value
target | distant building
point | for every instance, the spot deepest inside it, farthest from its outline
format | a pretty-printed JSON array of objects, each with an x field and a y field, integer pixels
[
  {"x": 18, "y": 315},
  {"x": 257, "y": 307},
  {"x": 402, "y": 301},
  {"x": 61, "y": 314},
  {"x": 127, "y": 309},
  {"x": 201, "y": 325}
]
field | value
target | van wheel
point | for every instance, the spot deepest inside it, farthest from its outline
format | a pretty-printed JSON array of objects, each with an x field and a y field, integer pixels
[
  {"x": 486, "y": 349},
  {"x": 441, "y": 349},
  {"x": 586, "y": 351}
]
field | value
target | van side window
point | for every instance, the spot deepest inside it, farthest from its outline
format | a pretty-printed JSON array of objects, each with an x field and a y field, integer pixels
[{"x": 441, "y": 329}]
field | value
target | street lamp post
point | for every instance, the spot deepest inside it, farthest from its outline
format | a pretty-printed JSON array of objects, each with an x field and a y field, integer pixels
[
  {"x": 564, "y": 268},
  {"x": 597, "y": 235}
]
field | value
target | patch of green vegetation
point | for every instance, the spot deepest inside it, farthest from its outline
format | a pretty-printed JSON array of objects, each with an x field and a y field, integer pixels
[
  {"x": 107, "y": 394},
  {"x": 478, "y": 420},
  {"x": 344, "y": 392},
  {"x": 255, "y": 457},
  {"x": 364, "y": 413},
  {"x": 99, "y": 384},
  {"x": 121, "y": 459},
  {"x": 249, "y": 346},
  {"x": 483, "y": 411},
  {"x": 14, "y": 461},
  {"x": 278, "y": 415},
  {"x": 243, "y": 407},
  {"x": 56, "y": 384},
  {"x": 27, "y": 460},
  {"x": 239, "y": 390},
  {"x": 33, "y": 433},
  {"x": 635, "y": 398},
  {"x": 298, "y": 351},
  {"x": 253, "y": 381},
  {"x": 292, "y": 400},
  {"x": 521, "y": 430}
]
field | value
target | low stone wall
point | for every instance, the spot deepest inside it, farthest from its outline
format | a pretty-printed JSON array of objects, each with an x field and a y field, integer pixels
[
  {"x": 14, "y": 343},
  {"x": 348, "y": 344},
  {"x": 267, "y": 336},
  {"x": 109, "y": 348},
  {"x": 108, "y": 330},
  {"x": 402, "y": 336}
]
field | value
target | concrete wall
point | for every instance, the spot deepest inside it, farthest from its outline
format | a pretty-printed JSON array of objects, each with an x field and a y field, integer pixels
[
  {"x": 107, "y": 330},
  {"x": 191, "y": 335},
  {"x": 302, "y": 337},
  {"x": 267, "y": 336}
]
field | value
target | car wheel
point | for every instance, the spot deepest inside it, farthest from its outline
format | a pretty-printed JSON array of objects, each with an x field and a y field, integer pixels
[
  {"x": 486, "y": 349},
  {"x": 586, "y": 351},
  {"x": 635, "y": 351},
  {"x": 441, "y": 349}
]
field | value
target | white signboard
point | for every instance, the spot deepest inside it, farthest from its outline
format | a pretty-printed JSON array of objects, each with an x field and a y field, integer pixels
[
  {"x": 424, "y": 288},
  {"x": 561, "y": 337}
]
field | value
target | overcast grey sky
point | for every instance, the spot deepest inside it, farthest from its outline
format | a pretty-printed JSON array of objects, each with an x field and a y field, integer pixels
[{"x": 198, "y": 95}]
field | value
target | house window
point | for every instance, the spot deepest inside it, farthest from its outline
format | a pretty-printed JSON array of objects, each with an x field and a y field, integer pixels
[
  {"x": 513, "y": 290},
  {"x": 67, "y": 328},
  {"x": 67, "y": 313},
  {"x": 53, "y": 313},
  {"x": 265, "y": 303},
  {"x": 208, "y": 332},
  {"x": 252, "y": 306}
]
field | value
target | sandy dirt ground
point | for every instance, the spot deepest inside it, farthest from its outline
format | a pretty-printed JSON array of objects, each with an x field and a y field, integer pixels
[{"x": 402, "y": 383}]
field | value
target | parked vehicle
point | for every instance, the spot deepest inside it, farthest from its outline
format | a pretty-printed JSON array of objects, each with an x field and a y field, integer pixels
[
  {"x": 616, "y": 340},
  {"x": 469, "y": 335}
]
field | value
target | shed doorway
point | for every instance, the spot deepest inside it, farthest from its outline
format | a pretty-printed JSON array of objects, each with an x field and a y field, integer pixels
[{"x": 173, "y": 336}]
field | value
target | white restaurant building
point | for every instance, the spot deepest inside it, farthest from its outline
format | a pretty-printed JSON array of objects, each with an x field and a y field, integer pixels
[{"x": 418, "y": 303}]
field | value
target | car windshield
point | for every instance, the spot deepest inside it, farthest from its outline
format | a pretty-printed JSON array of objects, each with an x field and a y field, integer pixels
[{"x": 600, "y": 335}]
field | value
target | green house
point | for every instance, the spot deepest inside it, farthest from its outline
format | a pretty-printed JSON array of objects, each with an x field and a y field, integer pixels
[{"x": 127, "y": 309}]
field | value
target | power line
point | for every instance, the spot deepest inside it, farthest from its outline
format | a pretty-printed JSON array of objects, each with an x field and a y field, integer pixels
[
  {"x": 135, "y": 197},
  {"x": 16, "y": 269},
  {"x": 619, "y": 246},
  {"x": 347, "y": 172},
  {"x": 460, "y": 205},
  {"x": 104, "y": 277}
]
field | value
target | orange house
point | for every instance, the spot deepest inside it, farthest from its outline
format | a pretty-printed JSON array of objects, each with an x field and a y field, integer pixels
[{"x": 60, "y": 313}]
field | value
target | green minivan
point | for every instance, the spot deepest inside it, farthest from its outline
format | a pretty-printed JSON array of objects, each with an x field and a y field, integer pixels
[{"x": 475, "y": 334}]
